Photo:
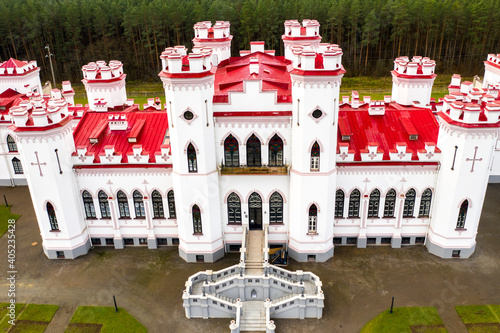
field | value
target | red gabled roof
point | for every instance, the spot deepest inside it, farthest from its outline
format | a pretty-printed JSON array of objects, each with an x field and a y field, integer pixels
[
  {"x": 395, "y": 126},
  {"x": 13, "y": 63},
  {"x": 154, "y": 129},
  {"x": 274, "y": 72}
]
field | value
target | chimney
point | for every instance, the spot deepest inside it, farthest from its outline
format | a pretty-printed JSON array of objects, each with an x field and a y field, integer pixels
[{"x": 257, "y": 47}]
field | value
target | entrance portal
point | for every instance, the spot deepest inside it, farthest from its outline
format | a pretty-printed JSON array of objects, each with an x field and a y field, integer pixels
[{"x": 255, "y": 211}]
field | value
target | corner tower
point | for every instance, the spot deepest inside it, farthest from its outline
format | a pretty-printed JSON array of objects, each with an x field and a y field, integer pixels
[
  {"x": 105, "y": 85},
  {"x": 21, "y": 76},
  {"x": 467, "y": 136},
  {"x": 218, "y": 38},
  {"x": 492, "y": 70},
  {"x": 300, "y": 35},
  {"x": 412, "y": 81},
  {"x": 45, "y": 141},
  {"x": 316, "y": 79},
  {"x": 189, "y": 88}
]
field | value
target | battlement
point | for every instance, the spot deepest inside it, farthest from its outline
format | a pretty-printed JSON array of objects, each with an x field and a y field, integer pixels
[
  {"x": 98, "y": 71},
  {"x": 418, "y": 67},
  {"x": 494, "y": 58},
  {"x": 309, "y": 28},
  {"x": 13, "y": 67},
  {"x": 37, "y": 112},
  {"x": 205, "y": 30},
  {"x": 327, "y": 58},
  {"x": 175, "y": 60}
]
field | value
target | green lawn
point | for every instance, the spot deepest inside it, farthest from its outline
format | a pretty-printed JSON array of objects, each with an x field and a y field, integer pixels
[
  {"x": 39, "y": 312},
  {"x": 4, "y": 319},
  {"x": 110, "y": 320},
  {"x": 6, "y": 215},
  {"x": 475, "y": 314},
  {"x": 402, "y": 319}
]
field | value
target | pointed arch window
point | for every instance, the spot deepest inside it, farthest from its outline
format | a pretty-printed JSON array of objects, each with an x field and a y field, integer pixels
[
  {"x": 197, "y": 220},
  {"x": 104, "y": 205},
  {"x": 18, "y": 167},
  {"x": 315, "y": 157},
  {"x": 390, "y": 201},
  {"x": 88, "y": 204},
  {"x": 409, "y": 203},
  {"x": 253, "y": 151},
  {"x": 52, "y": 217},
  {"x": 313, "y": 219},
  {"x": 276, "y": 208},
  {"x": 233, "y": 209},
  {"x": 157, "y": 205},
  {"x": 339, "y": 203},
  {"x": 425, "y": 203},
  {"x": 171, "y": 204},
  {"x": 139, "y": 205},
  {"x": 191, "y": 156},
  {"x": 354, "y": 203},
  {"x": 275, "y": 151},
  {"x": 231, "y": 152},
  {"x": 11, "y": 144},
  {"x": 373, "y": 203},
  {"x": 462, "y": 214},
  {"x": 123, "y": 204}
]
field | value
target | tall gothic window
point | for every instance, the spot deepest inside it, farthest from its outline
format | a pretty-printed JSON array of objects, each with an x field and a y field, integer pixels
[
  {"x": 191, "y": 155},
  {"x": 354, "y": 203},
  {"x": 276, "y": 208},
  {"x": 339, "y": 203},
  {"x": 18, "y": 167},
  {"x": 234, "y": 208},
  {"x": 11, "y": 144},
  {"x": 313, "y": 219},
  {"x": 104, "y": 205},
  {"x": 88, "y": 203},
  {"x": 123, "y": 205},
  {"x": 276, "y": 151},
  {"x": 171, "y": 204},
  {"x": 425, "y": 203},
  {"x": 253, "y": 151},
  {"x": 373, "y": 203},
  {"x": 390, "y": 201},
  {"x": 409, "y": 203},
  {"x": 52, "y": 217},
  {"x": 157, "y": 204},
  {"x": 315, "y": 157},
  {"x": 462, "y": 214},
  {"x": 138, "y": 205},
  {"x": 231, "y": 152},
  {"x": 197, "y": 220}
]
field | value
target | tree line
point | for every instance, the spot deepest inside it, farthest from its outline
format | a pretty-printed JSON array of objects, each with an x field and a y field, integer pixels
[{"x": 458, "y": 34}]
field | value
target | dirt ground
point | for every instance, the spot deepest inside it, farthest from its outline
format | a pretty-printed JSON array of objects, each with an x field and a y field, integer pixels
[{"x": 358, "y": 283}]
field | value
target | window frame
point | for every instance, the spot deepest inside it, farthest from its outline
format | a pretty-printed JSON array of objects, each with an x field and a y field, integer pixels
[
  {"x": 276, "y": 211},
  {"x": 171, "y": 204},
  {"x": 390, "y": 203},
  {"x": 339, "y": 203},
  {"x": 197, "y": 225},
  {"x": 312, "y": 225},
  {"x": 354, "y": 204},
  {"x": 138, "y": 198},
  {"x": 425, "y": 203},
  {"x": 409, "y": 204},
  {"x": 17, "y": 166},
  {"x": 51, "y": 212},
  {"x": 123, "y": 208},
  {"x": 157, "y": 203},
  {"x": 104, "y": 205},
  {"x": 11, "y": 144},
  {"x": 88, "y": 205},
  {"x": 233, "y": 209},
  {"x": 374, "y": 203},
  {"x": 192, "y": 159},
  {"x": 315, "y": 156}
]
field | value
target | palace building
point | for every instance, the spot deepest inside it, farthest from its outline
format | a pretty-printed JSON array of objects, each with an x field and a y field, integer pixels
[{"x": 253, "y": 141}]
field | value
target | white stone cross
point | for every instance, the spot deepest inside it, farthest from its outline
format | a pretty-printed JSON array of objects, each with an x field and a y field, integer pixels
[
  {"x": 474, "y": 159},
  {"x": 372, "y": 155},
  {"x": 401, "y": 155},
  {"x": 343, "y": 155},
  {"x": 39, "y": 164}
]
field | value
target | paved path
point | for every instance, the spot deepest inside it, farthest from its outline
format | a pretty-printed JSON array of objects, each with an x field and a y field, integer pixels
[
  {"x": 254, "y": 256},
  {"x": 358, "y": 283}
]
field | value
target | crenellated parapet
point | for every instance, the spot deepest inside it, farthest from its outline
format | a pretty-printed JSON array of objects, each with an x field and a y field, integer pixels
[
  {"x": 217, "y": 37},
  {"x": 177, "y": 63},
  {"x": 306, "y": 34}
]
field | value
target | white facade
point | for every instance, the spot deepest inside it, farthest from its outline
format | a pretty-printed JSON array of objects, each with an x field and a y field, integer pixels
[
  {"x": 20, "y": 76},
  {"x": 263, "y": 142}
]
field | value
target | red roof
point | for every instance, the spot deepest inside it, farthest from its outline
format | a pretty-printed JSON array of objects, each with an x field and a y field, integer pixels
[
  {"x": 13, "y": 63},
  {"x": 154, "y": 128},
  {"x": 273, "y": 71},
  {"x": 395, "y": 126}
]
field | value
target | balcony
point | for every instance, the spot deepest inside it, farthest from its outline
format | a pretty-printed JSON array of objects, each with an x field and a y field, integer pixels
[{"x": 254, "y": 170}]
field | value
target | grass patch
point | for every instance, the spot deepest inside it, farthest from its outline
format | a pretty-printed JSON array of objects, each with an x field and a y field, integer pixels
[
  {"x": 39, "y": 312},
  {"x": 402, "y": 320},
  {"x": 110, "y": 320},
  {"x": 4, "y": 318},
  {"x": 479, "y": 314},
  {"x": 6, "y": 215}
]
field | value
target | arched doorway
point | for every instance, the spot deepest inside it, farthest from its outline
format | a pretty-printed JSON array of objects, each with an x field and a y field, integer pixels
[{"x": 255, "y": 211}]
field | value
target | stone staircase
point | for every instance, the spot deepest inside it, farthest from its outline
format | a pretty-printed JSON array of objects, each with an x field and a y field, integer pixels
[
  {"x": 254, "y": 256},
  {"x": 253, "y": 318}
]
